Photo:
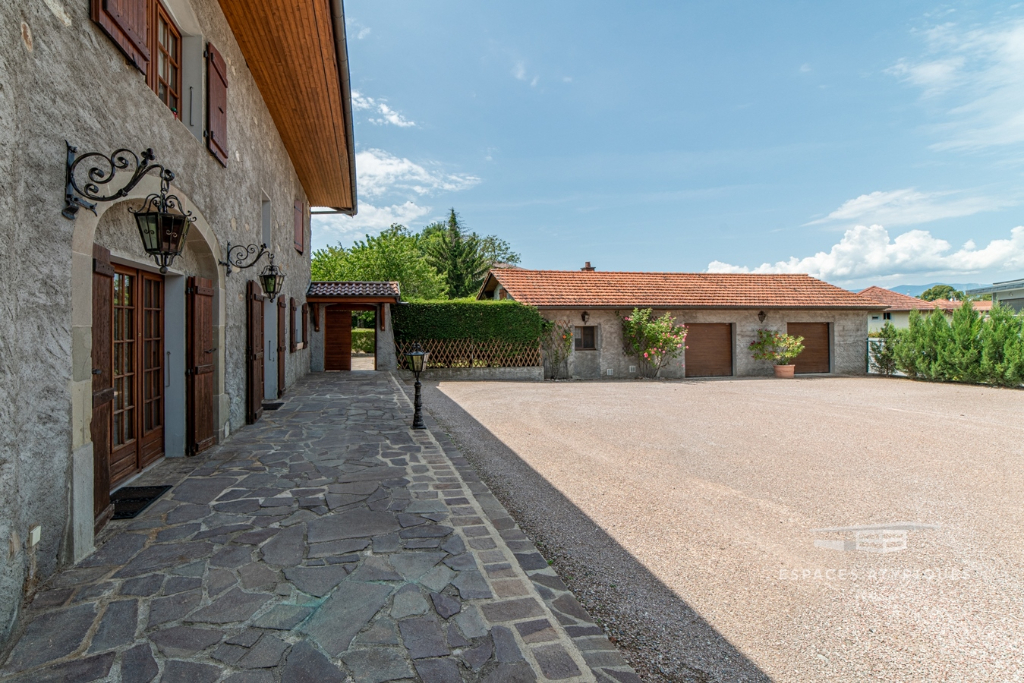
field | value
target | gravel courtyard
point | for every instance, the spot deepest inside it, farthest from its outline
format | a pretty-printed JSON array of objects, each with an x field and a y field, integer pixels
[{"x": 691, "y": 518}]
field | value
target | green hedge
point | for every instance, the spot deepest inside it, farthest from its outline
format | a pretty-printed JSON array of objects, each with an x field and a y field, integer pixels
[
  {"x": 478, "y": 320},
  {"x": 966, "y": 349},
  {"x": 362, "y": 340}
]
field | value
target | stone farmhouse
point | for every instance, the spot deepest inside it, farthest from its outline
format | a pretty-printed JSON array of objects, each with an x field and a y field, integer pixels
[
  {"x": 722, "y": 313},
  {"x": 146, "y": 144}
]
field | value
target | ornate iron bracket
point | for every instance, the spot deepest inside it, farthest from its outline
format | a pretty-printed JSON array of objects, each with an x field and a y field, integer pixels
[
  {"x": 97, "y": 179},
  {"x": 236, "y": 256}
]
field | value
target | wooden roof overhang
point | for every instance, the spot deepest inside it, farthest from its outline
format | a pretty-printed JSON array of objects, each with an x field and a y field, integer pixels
[{"x": 298, "y": 56}]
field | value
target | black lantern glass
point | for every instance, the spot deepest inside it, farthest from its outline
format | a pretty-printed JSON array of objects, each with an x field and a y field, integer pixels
[
  {"x": 272, "y": 280},
  {"x": 417, "y": 358},
  {"x": 163, "y": 227}
]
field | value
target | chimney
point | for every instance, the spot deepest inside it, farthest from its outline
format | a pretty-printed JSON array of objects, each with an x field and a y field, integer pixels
[{"x": 588, "y": 268}]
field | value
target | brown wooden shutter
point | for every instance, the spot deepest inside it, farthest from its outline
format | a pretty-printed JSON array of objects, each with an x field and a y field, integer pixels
[
  {"x": 199, "y": 365},
  {"x": 254, "y": 353},
  {"x": 300, "y": 227},
  {"x": 216, "y": 104},
  {"x": 291, "y": 325},
  {"x": 102, "y": 381},
  {"x": 281, "y": 336},
  {"x": 127, "y": 24},
  {"x": 305, "y": 325}
]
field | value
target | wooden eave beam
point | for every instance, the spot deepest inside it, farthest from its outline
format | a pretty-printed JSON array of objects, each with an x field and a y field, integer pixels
[{"x": 291, "y": 48}]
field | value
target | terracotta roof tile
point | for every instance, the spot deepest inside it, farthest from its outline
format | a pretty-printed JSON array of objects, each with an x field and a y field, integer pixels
[
  {"x": 901, "y": 302},
  {"x": 576, "y": 288},
  {"x": 378, "y": 289}
]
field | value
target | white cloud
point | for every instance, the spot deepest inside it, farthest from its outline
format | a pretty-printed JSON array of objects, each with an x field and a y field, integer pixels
[
  {"x": 361, "y": 102},
  {"x": 389, "y": 115},
  {"x": 909, "y": 207},
  {"x": 379, "y": 172},
  {"x": 360, "y": 30},
  {"x": 334, "y": 228},
  {"x": 977, "y": 77},
  {"x": 519, "y": 73},
  {"x": 867, "y": 252},
  {"x": 805, "y": 68}
]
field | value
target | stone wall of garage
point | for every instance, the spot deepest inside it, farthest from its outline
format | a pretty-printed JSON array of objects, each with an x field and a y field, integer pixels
[
  {"x": 848, "y": 330},
  {"x": 62, "y": 78}
]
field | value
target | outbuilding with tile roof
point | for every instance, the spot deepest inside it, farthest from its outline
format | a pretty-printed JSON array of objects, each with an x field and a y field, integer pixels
[
  {"x": 722, "y": 313},
  {"x": 899, "y": 307}
]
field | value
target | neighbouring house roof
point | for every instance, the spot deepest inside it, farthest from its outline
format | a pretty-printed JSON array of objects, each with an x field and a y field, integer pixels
[
  {"x": 897, "y": 302},
  {"x": 950, "y": 306},
  {"x": 596, "y": 289},
  {"x": 364, "y": 292},
  {"x": 298, "y": 56}
]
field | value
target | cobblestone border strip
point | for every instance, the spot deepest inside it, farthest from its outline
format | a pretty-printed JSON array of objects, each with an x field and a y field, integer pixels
[{"x": 572, "y": 631}]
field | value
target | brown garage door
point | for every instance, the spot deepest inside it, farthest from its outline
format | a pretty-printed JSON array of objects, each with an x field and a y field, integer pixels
[
  {"x": 815, "y": 356},
  {"x": 708, "y": 350},
  {"x": 338, "y": 340}
]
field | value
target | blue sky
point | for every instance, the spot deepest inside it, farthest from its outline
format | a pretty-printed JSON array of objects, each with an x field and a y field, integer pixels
[{"x": 864, "y": 143}]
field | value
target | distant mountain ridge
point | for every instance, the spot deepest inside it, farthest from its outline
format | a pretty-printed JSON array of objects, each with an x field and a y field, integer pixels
[{"x": 918, "y": 290}]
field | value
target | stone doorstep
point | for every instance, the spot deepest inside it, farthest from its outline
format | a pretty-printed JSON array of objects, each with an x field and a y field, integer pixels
[{"x": 552, "y": 652}]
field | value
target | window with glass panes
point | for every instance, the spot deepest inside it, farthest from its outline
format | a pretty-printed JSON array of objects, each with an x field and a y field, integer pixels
[{"x": 167, "y": 74}]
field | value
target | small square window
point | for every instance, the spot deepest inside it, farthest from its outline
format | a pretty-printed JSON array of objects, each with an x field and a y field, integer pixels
[
  {"x": 585, "y": 337},
  {"x": 887, "y": 316}
]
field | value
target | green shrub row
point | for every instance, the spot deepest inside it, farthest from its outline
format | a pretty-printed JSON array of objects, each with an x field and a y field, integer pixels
[
  {"x": 467, "y": 319},
  {"x": 363, "y": 340},
  {"x": 966, "y": 349}
]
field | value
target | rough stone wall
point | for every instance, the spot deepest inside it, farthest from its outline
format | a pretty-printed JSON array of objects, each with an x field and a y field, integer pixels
[
  {"x": 69, "y": 81},
  {"x": 848, "y": 330}
]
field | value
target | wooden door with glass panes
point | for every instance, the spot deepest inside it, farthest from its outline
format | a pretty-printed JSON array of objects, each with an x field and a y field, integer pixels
[{"x": 137, "y": 419}]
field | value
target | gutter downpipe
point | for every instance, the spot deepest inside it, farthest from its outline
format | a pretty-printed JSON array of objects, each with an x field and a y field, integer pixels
[{"x": 341, "y": 50}]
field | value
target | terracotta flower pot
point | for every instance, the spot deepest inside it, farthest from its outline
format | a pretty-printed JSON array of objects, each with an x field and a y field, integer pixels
[{"x": 784, "y": 371}]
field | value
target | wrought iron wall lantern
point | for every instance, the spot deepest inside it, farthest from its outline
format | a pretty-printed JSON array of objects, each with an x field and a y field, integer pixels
[
  {"x": 163, "y": 225},
  {"x": 761, "y": 316},
  {"x": 271, "y": 278}
]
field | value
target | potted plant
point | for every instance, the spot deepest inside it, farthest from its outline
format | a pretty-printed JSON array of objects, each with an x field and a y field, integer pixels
[{"x": 778, "y": 348}]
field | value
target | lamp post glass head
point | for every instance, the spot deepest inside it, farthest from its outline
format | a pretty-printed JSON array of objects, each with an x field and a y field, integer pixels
[{"x": 417, "y": 358}]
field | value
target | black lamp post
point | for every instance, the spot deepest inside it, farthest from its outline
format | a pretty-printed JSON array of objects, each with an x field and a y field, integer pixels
[{"x": 417, "y": 358}]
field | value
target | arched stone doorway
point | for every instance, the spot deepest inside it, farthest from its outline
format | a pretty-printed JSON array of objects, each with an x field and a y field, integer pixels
[{"x": 113, "y": 229}]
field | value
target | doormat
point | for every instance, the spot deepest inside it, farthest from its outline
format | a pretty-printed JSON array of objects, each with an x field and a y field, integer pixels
[
  {"x": 131, "y": 500},
  {"x": 272, "y": 406}
]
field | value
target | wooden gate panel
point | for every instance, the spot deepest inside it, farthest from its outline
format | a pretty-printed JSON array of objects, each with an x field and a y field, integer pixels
[
  {"x": 254, "y": 353},
  {"x": 102, "y": 382},
  {"x": 708, "y": 350},
  {"x": 201, "y": 431},
  {"x": 815, "y": 356},
  {"x": 338, "y": 339}
]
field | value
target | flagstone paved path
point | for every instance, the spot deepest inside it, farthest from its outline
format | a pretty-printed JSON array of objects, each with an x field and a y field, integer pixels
[{"x": 328, "y": 542}]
